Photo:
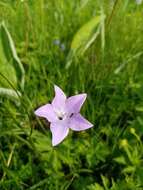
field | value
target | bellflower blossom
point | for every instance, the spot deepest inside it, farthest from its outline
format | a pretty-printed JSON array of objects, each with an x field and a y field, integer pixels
[{"x": 63, "y": 114}]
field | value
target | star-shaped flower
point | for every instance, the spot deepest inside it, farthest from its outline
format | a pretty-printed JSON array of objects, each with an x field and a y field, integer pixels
[{"x": 63, "y": 114}]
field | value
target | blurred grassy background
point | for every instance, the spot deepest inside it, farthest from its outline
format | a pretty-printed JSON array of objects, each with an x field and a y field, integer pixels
[{"x": 50, "y": 38}]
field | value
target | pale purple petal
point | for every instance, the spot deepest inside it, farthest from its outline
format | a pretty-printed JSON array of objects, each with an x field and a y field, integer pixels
[
  {"x": 47, "y": 112},
  {"x": 79, "y": 123},
  {"x": 59, "y": 99},
  {"x": 59, "y": 132},
  {"x": 74, "y": 103}
]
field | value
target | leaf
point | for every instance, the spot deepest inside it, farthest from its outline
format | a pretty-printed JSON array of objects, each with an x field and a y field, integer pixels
[
  {"x": 122, "y": 66},
  {"x": 105, "y": 182},
  {"x": 139, "y": 108},
  {"x": 84, "y": 37},
  {"x": 6, "y": 68},
  {"x": 10, "y": 63},
  {"x": 9, "y": 93},
  {"x": 11, "y": 70},
  {"x": 129, "y": 169},
  {"x": 95, "y": 186},
  {"x": 120, "y": 160}
]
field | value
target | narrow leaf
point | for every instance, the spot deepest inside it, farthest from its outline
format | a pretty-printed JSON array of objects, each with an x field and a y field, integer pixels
[
  {"x": 10, "y": 58},
  {"x": 84, "y": 37}
]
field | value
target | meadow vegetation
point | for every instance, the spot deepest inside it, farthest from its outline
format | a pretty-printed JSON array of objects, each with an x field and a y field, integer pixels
[{"x": 91, "y": 46}]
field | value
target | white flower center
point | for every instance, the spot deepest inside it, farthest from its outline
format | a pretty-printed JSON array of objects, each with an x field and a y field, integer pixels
[{"x": 60, "y": 114}]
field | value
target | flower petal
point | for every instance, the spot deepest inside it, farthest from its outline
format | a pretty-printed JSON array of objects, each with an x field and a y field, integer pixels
[
  {"x": 74, "y": 103},
  {"x": 59, "y": 132},
  {"x": 79, "y": 123},
  {"x": 47, "y": 112},
  {"x": 59, "y": 99}
]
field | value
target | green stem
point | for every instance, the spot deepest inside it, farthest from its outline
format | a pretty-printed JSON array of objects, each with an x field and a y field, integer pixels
[{"x": 112, "y": 13}]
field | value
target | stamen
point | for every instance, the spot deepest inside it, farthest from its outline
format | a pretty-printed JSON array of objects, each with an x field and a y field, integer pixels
[
  {"x": 71, "y": 115},
  {"x": 60, "y": 118}
]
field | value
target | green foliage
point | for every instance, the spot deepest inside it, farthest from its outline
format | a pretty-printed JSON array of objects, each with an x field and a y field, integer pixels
[
  {"x": 12, "y": 71},
  {"x": 85, "y": 36},
  {"x": 38, "y": 42}
]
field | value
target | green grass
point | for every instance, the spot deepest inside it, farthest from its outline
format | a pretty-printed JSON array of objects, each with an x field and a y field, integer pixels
[{"x": 110, "y": 155}]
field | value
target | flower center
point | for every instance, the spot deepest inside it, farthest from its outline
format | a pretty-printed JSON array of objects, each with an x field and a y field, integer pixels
[{"x": 60, "y": 114}]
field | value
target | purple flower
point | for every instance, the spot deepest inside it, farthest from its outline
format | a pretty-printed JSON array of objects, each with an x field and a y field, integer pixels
[{"x": 63, "y": 114}]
